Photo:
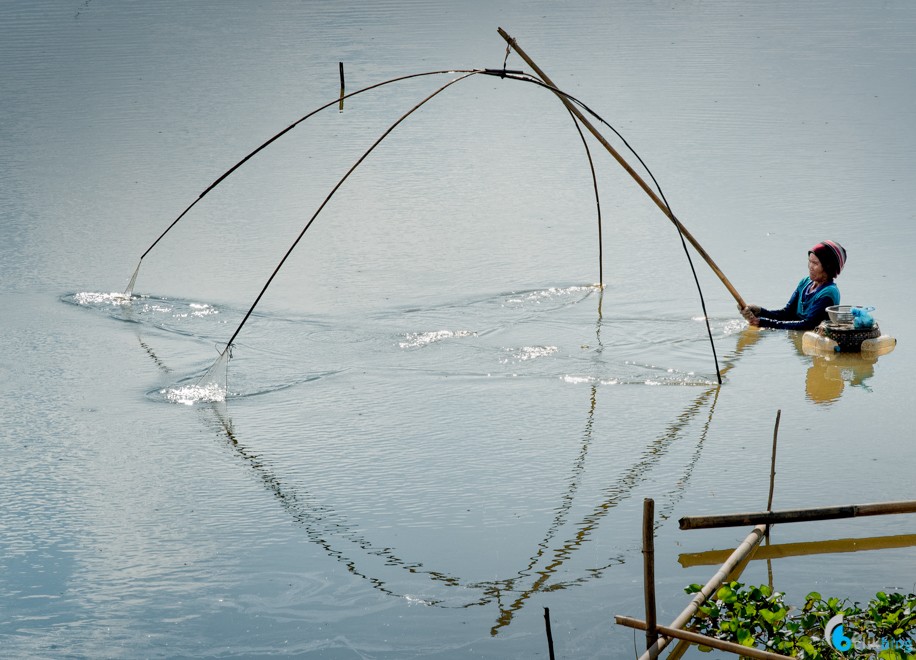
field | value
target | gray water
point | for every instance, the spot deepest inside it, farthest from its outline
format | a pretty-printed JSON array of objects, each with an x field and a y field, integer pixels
[{"x": 436, "y": 425}]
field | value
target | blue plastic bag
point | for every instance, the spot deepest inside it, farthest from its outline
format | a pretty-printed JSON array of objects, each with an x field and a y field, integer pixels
[{"x": 862, "y": 318}]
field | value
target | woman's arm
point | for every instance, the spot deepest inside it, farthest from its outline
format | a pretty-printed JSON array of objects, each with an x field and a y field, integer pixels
[
  {"x": 787, "y": 313},
  {"x": 817, "y": 312}
]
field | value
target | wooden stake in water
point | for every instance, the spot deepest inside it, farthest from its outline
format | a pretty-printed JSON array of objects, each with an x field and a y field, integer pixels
[
  {"x": 770, "y": 496},
  {"x": 549, "y": 634},
  {"x": 340, "y": 106},
  {"x": 773, "y": 463},
  {"x": 648, "y": 553}
]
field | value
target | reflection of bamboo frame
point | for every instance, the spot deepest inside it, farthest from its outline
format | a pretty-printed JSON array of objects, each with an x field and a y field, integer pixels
[
  {"x": 323, "y": 525},
  {"x": 833, "y": 546}
]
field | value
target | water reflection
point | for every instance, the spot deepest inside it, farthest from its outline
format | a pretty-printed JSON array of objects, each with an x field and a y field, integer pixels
[
  {"x": 566, "y": 533},
  {"x": 780, "y": 550},
  {"x": 829, "y": 372},
  {"x": 573, "y": 525}
]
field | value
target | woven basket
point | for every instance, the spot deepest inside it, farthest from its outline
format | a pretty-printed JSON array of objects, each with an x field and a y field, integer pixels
[{"x": 848, "y": 338}]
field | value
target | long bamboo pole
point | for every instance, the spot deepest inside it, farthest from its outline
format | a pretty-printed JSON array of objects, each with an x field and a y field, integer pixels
[
  {"x": 797, "y": 515},
  {"x": 697, "y": 638},
  {"x": 740, "y": 554},
  {"x": 639, "y": 180}
]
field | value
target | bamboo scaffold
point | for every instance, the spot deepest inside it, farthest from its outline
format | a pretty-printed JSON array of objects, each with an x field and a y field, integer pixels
[
  {"x": 742, "y": 552},
  {"x": 662, "y": 635},
  {"x": 658, "y": 637}
]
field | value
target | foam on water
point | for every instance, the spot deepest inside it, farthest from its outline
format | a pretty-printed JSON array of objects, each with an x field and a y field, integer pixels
[
  {"x": 165, "y": 313},
  {"x": 529, "y": 353},
  {"x": 94, "y": 299},
  {"x": 419, "y": 339},
  {"x": 191, "y": 394},
  {"x": 543, "y": 295}
]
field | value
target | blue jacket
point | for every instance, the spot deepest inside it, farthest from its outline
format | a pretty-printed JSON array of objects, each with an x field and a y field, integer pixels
[{"x": 805, "y": 309}]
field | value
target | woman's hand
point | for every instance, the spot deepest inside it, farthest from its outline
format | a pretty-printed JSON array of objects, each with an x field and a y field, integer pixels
[{"x": 750, "y": 313}]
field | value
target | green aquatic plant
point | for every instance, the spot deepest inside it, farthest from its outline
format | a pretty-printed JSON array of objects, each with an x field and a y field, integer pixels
[{"x": 823, "y": 629}]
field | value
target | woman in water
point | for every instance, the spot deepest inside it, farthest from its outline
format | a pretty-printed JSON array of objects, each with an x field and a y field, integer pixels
[{"x": 814, "y": 294}]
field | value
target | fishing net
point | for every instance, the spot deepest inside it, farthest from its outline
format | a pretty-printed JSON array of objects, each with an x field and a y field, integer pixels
[
  {"x": 209, "y": 388},
  {"x": 128, "y": 292},
  {"x": 218, "y": 374}
]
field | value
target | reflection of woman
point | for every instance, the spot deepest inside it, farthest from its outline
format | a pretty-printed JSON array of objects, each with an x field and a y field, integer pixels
[{"x": 814, "y": 294}]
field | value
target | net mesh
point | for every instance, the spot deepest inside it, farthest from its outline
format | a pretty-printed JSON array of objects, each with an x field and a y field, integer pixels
[
  {"x": 128, "y": 292},
  {"x": 218, "y": 373},
  {"x": 211, "y": 387}
]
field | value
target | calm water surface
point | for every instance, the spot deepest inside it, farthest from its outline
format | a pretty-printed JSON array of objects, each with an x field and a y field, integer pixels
[{"x": 436, "y": 424}]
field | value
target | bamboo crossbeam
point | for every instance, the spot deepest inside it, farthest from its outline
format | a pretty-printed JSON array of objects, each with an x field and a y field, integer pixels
[
  {"x": 623, "y": 163},
  {"x": 697, "y": 638},
  {"x": 740, "y": 554},
  {"x": 781, "y": 550},
  {"x": 797, "y": 515}
]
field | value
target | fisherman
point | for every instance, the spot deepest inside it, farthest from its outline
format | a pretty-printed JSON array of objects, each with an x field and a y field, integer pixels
[{"x": 807, "y": 307}]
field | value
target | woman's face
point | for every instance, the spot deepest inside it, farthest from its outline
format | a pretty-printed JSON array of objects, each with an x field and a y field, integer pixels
[{"x": 816, "y": 270}]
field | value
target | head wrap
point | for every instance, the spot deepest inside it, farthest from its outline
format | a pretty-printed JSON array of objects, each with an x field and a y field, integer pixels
[{"x": 832, "y": 256}]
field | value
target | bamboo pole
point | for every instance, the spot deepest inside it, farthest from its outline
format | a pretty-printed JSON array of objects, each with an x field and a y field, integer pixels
[
  {"x": 648, "y": 551},
  {"x": 770, "y": 496},
  {"x": 549, "y": 633},
  {"x": 697, "y": 638},
  {"x": 737, "y": 556},
  {"x": 773, "y": 463},
  {"x": 639, "y": 180},
  {"x": 342, "y": 87},
  {"x": 797, "y": 515}
]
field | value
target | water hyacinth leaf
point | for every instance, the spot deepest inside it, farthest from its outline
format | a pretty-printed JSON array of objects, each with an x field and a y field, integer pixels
[
  {"x": 805, "y": 644},
  {"x": 745, "y": 638},
  {"x": 891, "y": 654},
  {"x": 769, "y": 616},
  {"x": 744, "y": 613},
  {"x": 726, "y": 594}
]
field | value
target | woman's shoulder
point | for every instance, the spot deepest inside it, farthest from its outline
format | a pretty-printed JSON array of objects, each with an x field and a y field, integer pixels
[{"x": 831, "y": 291}]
